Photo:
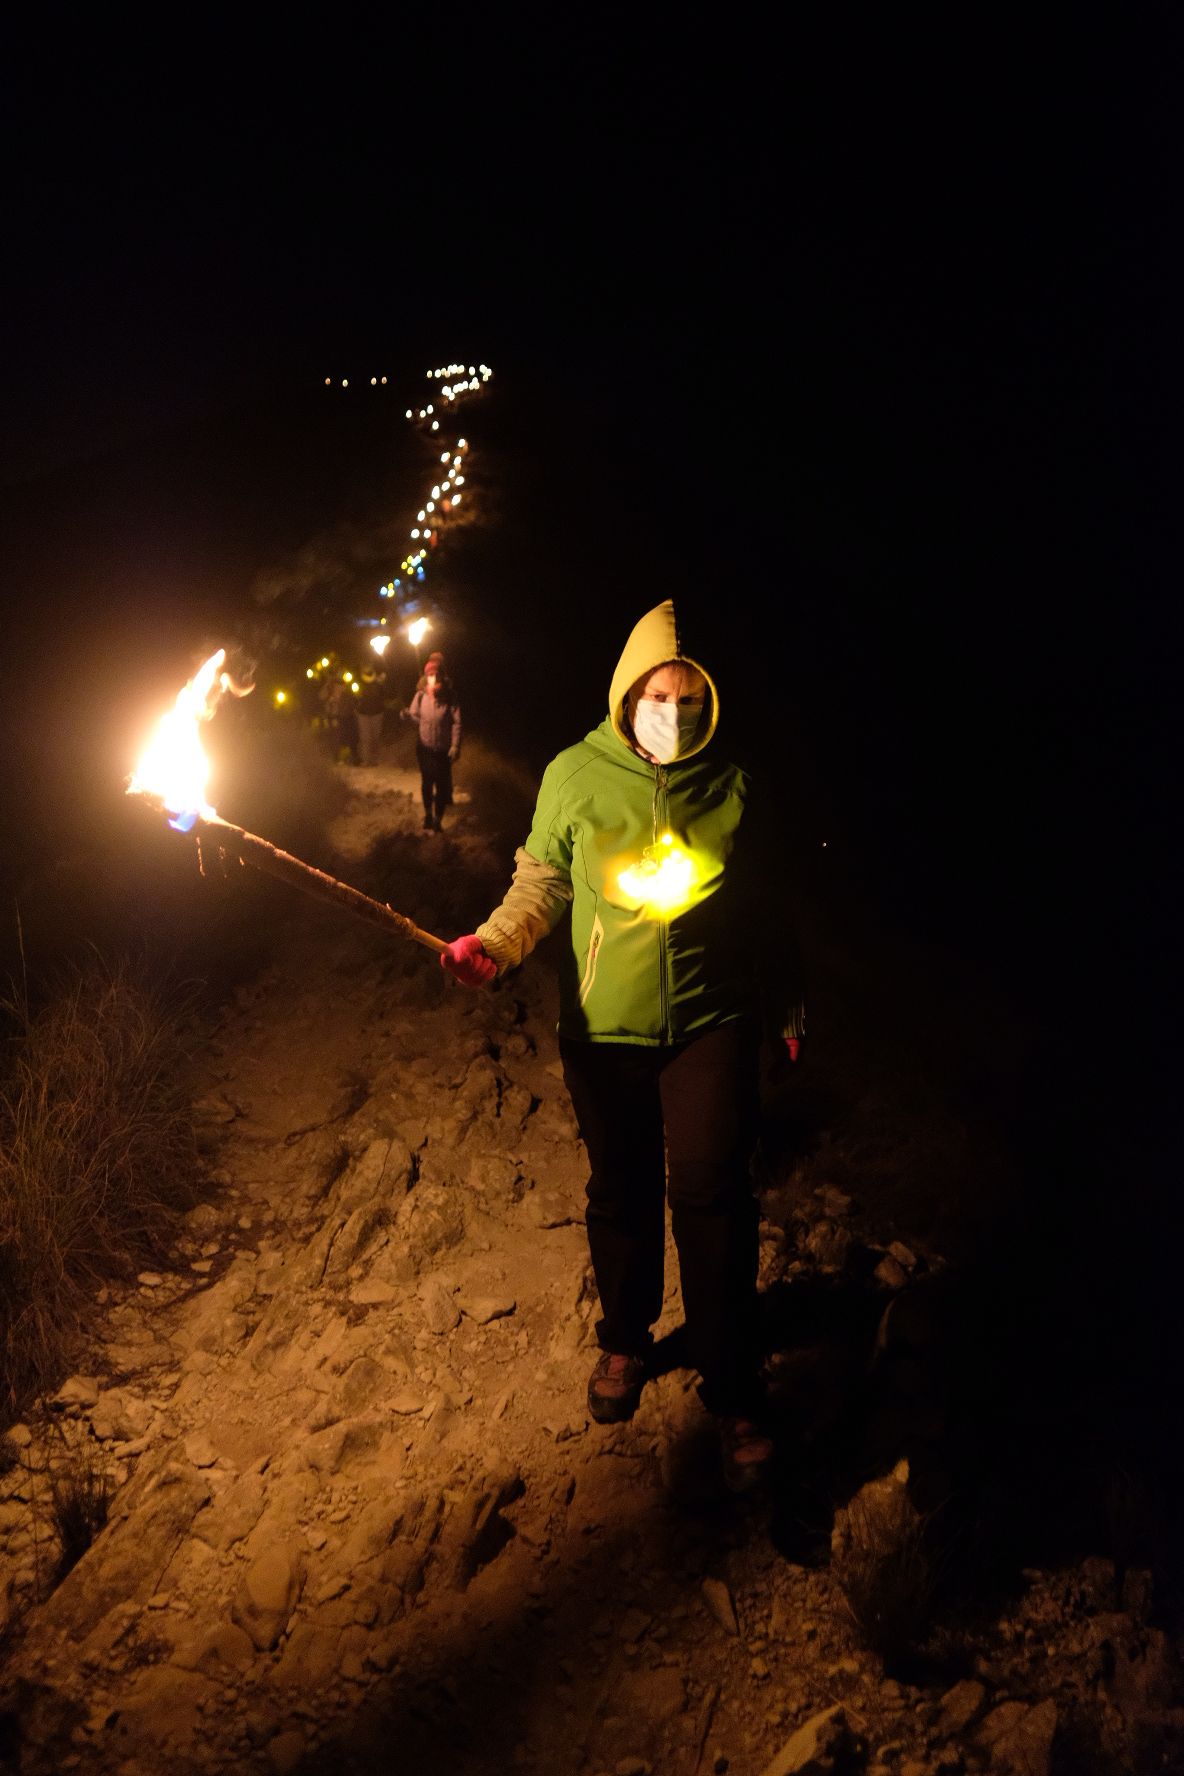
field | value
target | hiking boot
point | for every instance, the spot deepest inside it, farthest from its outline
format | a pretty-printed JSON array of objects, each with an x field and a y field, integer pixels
[
  {"x": 747, "y": 1453},
  {"x": 614, "y": 1387}
]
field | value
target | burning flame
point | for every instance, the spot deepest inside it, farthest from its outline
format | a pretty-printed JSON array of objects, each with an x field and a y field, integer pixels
[
  {"x": 663, "y": 882},
  {"x": 173, "y": 765}
]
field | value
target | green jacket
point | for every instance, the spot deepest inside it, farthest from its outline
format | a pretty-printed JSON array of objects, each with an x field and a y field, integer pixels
[{"x": 637, "y": 971}]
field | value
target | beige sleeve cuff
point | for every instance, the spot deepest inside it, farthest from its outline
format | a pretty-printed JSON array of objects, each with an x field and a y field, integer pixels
[{"x": 534, "y": 904}]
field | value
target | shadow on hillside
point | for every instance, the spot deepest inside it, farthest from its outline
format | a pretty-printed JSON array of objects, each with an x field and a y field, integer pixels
[
  {"x": 1032, "y": 1375},
  {"x": 513, "y": 1665},
  {"x": 1022, "y": 1388}
]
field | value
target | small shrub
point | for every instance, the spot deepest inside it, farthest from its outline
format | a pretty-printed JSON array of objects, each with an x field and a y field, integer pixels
[
  {"x": 97, "y": 1154},
  {"x": 80, "y": 1498}
]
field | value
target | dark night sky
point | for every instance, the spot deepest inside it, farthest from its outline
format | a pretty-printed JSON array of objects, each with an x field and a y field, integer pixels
[{"x": 877, "y": 332}]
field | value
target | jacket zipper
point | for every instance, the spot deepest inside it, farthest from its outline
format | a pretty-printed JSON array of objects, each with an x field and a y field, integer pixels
[{"x": 660, "y": 819}]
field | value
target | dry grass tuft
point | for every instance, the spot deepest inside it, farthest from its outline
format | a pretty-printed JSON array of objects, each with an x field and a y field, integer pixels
[
  {"x": 887, "y": 1560},
  {"x": 890, "y": 1594},
  {"x": 80, "y": 1498},
  {"x": 97, "y": 1155}
]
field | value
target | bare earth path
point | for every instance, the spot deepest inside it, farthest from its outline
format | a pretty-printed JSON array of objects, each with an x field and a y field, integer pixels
[{"x": 361, "y": 1520}]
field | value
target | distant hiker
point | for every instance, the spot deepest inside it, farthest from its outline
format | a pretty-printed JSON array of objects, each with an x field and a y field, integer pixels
[
  {"x": 676, "y": 939},
  {"x": 371, "y": 706},
  {"x": 342, "y": 718},
  {"x": 436, "y": 712}
]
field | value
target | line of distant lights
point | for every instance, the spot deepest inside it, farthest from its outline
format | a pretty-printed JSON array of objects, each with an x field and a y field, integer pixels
[
  {"x": 478, "y": 375},
  {"x": 464, "y": 382},
  {"x": 443, "y": 499},
  {"x": 327, "y": 664},
  {"x": 445, "y": 494}
]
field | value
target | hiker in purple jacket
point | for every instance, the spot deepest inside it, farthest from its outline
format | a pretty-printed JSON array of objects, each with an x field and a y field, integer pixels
[{"x": 436, "y": 713}]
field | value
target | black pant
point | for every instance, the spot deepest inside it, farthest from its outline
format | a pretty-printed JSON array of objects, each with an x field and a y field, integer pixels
[
  {"x": 435, "y": 774},
  {"x": 678, "y": 1122}
]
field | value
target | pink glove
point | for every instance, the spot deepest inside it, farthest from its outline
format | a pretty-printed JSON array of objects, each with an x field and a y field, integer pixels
[
  {"x": 793, "y": 1045},
  {"x": 466, "y": 960}
]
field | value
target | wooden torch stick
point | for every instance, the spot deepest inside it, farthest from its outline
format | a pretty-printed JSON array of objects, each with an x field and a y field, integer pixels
[{"x": 250, "y": 849}]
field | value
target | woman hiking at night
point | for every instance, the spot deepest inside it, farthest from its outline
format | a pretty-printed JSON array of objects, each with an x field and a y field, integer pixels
[{"x": 647, "y": 837}]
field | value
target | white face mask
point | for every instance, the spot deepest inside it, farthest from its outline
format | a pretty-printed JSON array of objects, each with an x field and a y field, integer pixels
[{"x": 665, "y": 730}]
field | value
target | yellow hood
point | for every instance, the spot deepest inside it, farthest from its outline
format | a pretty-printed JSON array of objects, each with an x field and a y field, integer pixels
[{"x": 655, "y": 640}]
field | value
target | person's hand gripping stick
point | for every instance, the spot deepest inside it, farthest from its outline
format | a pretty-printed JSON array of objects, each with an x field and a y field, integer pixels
[{"x": 468, "y": 962}]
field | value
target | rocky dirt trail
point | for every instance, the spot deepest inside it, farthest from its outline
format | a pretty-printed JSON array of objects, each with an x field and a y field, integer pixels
[{"x": 359, "y": 1518}]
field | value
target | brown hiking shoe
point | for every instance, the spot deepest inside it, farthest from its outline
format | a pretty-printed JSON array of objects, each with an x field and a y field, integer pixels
[
  {"x": 747, "y": 1454},
  {"x": 614, "y": 1387}
]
